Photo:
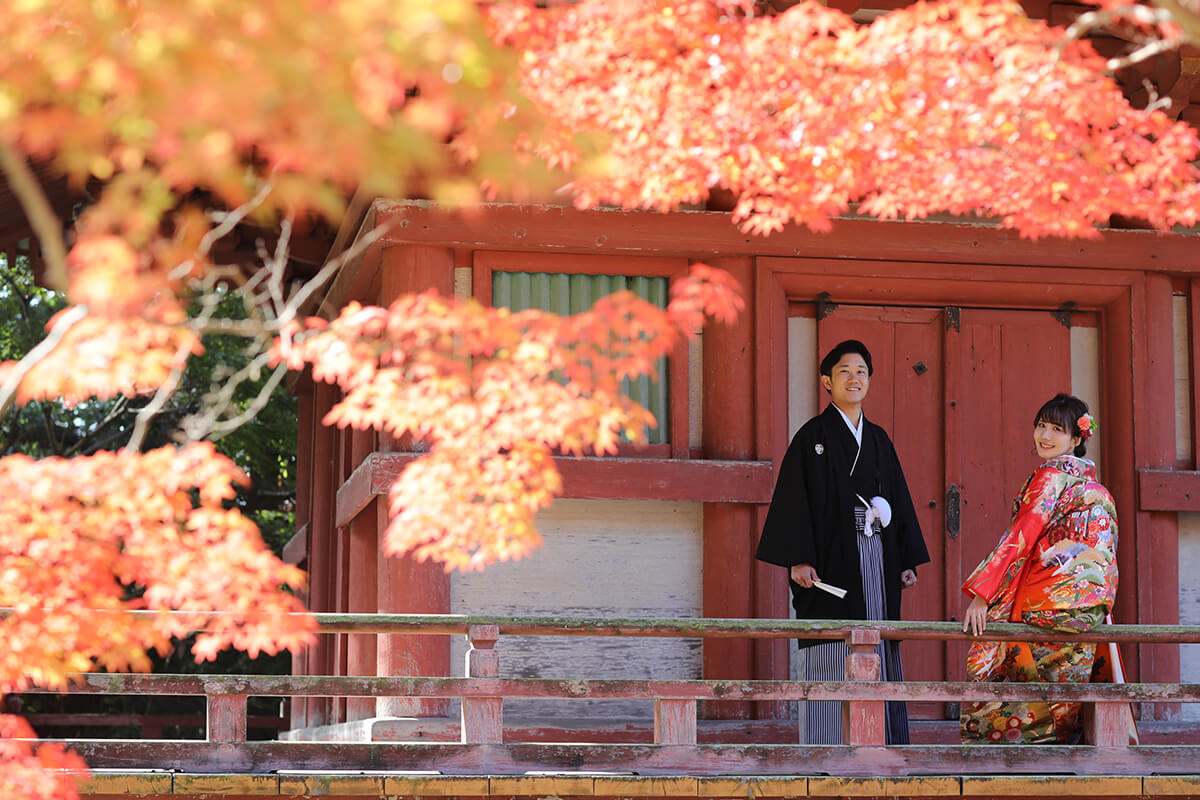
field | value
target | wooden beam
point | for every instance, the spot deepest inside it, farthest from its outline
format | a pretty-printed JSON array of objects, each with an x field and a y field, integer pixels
[
  {"x": 1193, "y": 328},
  {"x": 564, "y": 229},
  {"x": 514, "y": 759},
  {"x": 1169, "y": 489},
  {"x": 702, "y": 480},
  {"x": 295, "y": 552}
]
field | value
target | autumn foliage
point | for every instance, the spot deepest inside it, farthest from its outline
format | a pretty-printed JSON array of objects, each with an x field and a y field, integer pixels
[
  {"x": 493, "y": 394},
  {"x": 34, "y": 771},
  {"x": 967, "y": 107}
]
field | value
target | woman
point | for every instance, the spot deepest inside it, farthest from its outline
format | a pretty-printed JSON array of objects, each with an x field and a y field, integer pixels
[{"x": 1054, "y": 568}]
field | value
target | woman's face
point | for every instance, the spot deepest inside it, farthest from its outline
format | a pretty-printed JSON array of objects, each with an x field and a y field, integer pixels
[{"x": 1051, "y": 440}]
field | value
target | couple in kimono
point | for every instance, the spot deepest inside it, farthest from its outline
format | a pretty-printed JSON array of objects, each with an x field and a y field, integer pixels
[{"x": 841, "y": 516}]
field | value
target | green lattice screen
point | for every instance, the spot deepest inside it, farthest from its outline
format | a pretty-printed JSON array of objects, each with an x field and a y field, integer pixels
[{"x": 561, "y": 293}]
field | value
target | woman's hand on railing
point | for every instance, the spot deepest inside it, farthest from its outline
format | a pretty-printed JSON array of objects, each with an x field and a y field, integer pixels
[{"x": 975, "y": 618}]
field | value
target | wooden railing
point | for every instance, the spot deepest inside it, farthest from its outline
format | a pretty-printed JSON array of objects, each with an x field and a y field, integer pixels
[{"x": 482, "y": 750}]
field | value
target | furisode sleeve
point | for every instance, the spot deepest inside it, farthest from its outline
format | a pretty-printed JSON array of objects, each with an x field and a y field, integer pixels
[{"x": 1035, "y": 508}]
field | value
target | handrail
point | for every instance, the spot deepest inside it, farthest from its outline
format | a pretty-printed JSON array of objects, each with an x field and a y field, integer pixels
[
  {"x": 483, "y": 692},
  {"x": 702, "y": 627},
  {"x": 571, "y": 689}
]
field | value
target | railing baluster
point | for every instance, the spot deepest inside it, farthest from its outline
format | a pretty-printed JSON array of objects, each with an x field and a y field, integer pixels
[
  {"x": 226, "y": 718},
  {"x": 674, "y": 721},
  {"x": 482, "y": 717},
  {"x": 1107, "y": 725},
  {"x": 864, "y": 722}
]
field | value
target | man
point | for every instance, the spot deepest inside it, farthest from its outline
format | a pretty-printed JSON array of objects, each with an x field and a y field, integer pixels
[{"x": 841, "y": 514}]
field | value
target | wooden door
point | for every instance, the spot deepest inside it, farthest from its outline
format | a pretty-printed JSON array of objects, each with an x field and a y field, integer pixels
[
  {"x": 905, "y": 397},
  {"x": 956, "y": 390},
  {"x": 1001, "y": 366}
]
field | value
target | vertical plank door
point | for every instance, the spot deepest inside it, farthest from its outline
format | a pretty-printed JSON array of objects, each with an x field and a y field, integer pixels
[{"x": 905, "y": 397}]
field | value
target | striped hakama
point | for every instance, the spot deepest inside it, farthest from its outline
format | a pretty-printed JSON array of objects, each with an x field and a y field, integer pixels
[{"x": 827, "y": 662}]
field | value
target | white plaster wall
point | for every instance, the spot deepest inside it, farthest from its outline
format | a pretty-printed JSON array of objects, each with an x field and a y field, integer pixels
[
  {"x": 463, "y": 281},
  {"x": 696, "y": 391},
  {"x": 1085, "y": 384},
  {"x": 802, "y": 406},
  {"x": 802, "y": 372},
  {"x": 1189, "y": 602},
  {"x": 607, "y": 558},
  {"x": 1189, "y": 523},
  {"x": 1183, "y": 380}
]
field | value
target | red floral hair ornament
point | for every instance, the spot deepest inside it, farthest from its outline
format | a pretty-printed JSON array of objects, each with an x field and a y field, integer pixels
[{"x": 1087, "y": 426}]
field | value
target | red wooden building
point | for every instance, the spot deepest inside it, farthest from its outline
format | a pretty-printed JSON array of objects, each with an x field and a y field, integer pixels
[{"x": 972, "y": 328}]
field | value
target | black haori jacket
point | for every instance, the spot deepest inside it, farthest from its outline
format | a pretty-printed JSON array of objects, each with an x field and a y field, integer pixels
[{"x": 811, "y": 519}]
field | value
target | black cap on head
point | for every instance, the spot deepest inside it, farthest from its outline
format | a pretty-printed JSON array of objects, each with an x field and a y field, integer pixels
[{"x": 841, "y": 349}]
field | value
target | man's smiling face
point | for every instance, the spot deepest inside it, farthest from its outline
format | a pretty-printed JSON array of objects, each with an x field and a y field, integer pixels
[{"x": 848, "y": 382}]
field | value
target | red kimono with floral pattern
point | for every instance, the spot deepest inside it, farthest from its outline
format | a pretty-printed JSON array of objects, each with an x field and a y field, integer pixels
[{"x": 1055, "y": 568}]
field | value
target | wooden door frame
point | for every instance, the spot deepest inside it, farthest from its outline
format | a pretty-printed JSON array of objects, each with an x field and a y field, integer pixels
[{"x": 1117, "y": 296}]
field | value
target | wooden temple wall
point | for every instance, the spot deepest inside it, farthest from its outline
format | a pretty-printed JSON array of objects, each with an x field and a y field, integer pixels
[{"x": 681, "y": 521}]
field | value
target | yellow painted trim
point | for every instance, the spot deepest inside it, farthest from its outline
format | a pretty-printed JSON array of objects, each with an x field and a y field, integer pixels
[
  {"x": 649, "y": 786},
  {"x": 226, "y": 784},
  {"x": 752, "y": 787},
  {"x": 125, "y": 783},
  {"x": 542, "y": 785},
  {"x": 436, "y": 785},
  {"x": 1171, "y": 785},
  {"x": 330, "y": 785},
  {"x": 1051, "y": 785},
  {"x": 846, "y": 787},
  {"x": 942, "y": 786}
]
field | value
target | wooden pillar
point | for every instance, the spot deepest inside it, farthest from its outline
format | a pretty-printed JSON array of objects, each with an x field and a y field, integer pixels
[
  {"x": 674, "y": 721},
  {"x": 729, "y": 529},
  {"x": 1121, "y": 396},
  {"x": 1158, "y": 531},
  {"x": 362, "y": 591},
  {"x": 322, "y": 550},
  {"x": 482, "y": 717},
  {"x": 771, "y": 596},
  {"x": 864, "y": 722},
  {"x": 307, "y": 422},
  {"x": 1193, "y": 328},
  {"x": 1106, "y": 724},
  {"x": 405, "y": 585},
  {"x": 226, "y": 718}
]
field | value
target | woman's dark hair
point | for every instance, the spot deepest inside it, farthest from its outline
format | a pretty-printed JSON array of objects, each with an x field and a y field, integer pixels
[
  {"x": 842, "y": 348},
  {"x": 1064, "y": 410}
]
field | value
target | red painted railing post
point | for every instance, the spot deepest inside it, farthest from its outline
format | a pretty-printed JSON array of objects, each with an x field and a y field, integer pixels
[
  {"x": 226, "y": 718},
  {"x": 674, "y": 721},
  {"x": 863, "y": 721},
  {"x": 482, "y": 717},
  {"x": 1107, "y": 725}
]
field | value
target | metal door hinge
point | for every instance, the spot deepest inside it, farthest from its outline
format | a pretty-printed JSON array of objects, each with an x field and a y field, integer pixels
[
  {"x": 1063, "y": 314},
  {"x": 825, "y": 305},
  {"x": 953, "y": 517}
]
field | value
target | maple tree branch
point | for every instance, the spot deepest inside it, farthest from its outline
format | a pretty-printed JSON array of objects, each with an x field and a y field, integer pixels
[
  {"x": 114, "y": 413},
  {"x": 164, "y": 393},
  {"x": 331, "y": 267},
  {"x": 1093, "y": 20},
  {"x": 219, "y": 429},
  {"x": 226, "y": 223},
  {"x": 202, "y": 426},
  {"x": 1143, "y": 53},
  {"x": 37, "y": 209},
  {"x": 67, "y": 321},
  {"x": 1186, "y": 18}
]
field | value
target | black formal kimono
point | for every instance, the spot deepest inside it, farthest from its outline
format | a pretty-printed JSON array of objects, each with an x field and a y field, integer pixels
[
  {"x": 812, "y": 515},
  {"x": 818, "y": 517}
]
